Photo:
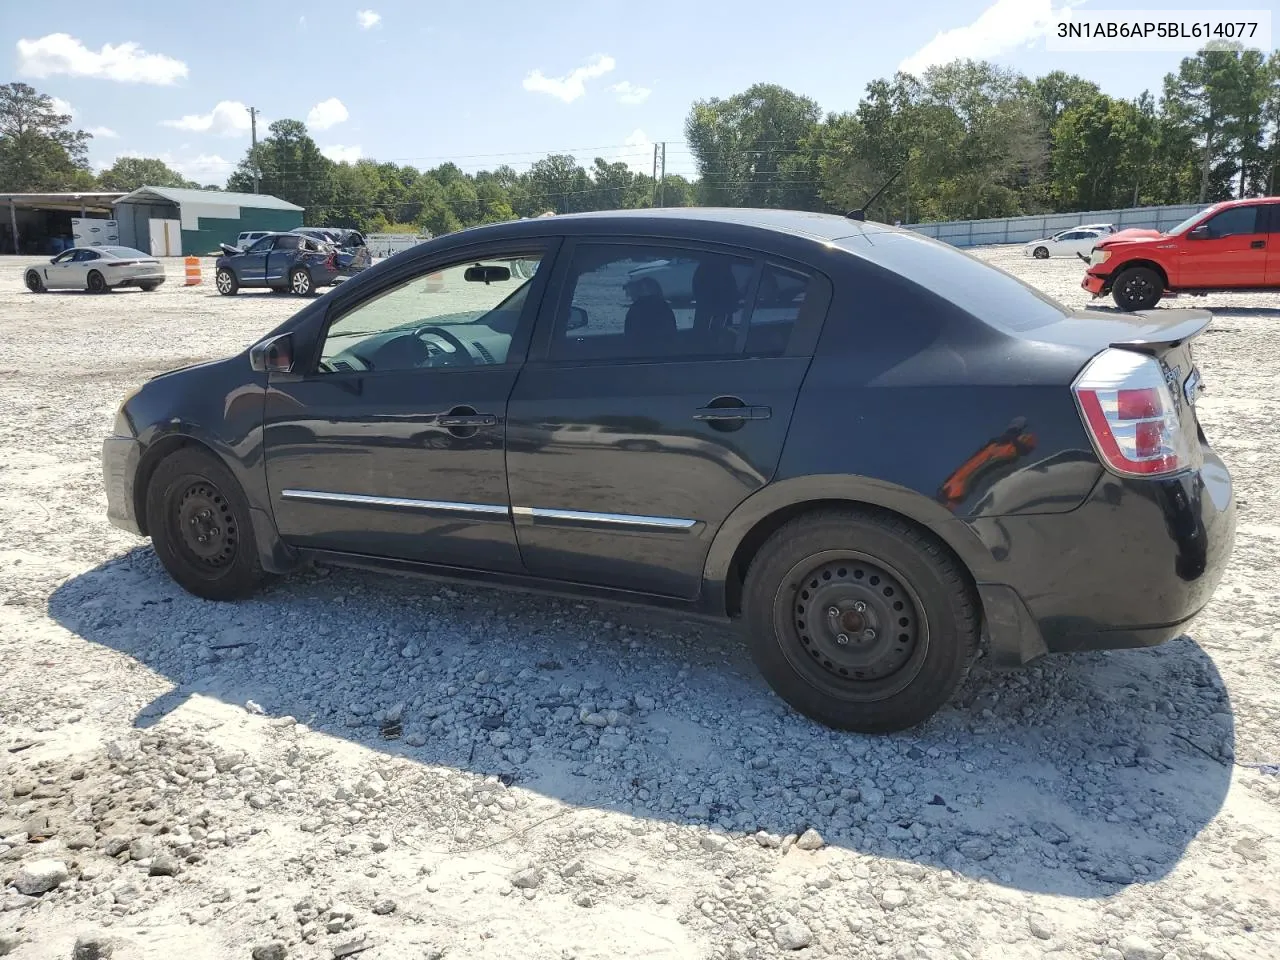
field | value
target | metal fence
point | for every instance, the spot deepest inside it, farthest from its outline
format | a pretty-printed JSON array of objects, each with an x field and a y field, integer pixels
[{"x": 972, "y": 233}]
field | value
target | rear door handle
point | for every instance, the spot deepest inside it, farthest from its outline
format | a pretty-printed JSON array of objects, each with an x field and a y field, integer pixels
[
  {"x": 1258, "y": 244},
  {"x": 732, "y": 413},
  {"x": 468, "y": 420}
]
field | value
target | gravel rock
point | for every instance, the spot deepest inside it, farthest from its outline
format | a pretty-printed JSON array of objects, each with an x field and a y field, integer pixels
[
  {"x": 275, "y": 950},
  {"x": 143, "y": 848},
  {"x": 1039, "y": 926},
  {"x": 811, "y": 839},
  {"x": 793, "y": 935},
  {"x": 164, "y": 865},
  {"x": 40, "y": 876},
  {"x": 1134, "y": 947},
  {"x": 527, "y": 879},
  {"x": 384, "y": 906},
  {"x": 9, "y": 942},
  {"x": 92, "y": 946},
  {"x": 976, "y": 848}
]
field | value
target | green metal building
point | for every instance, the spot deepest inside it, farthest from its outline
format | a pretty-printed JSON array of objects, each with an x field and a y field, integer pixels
[{"x": 172, "y": 222}]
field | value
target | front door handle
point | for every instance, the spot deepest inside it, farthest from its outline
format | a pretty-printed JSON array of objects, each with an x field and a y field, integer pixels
[
  {"x": 468, "y": 420},
  {"x": 733, "y": 413},
  {"x": 1258, "y": 244}
]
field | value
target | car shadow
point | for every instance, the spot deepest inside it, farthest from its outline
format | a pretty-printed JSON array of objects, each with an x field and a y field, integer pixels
[{"x": 1075, "y": 776}]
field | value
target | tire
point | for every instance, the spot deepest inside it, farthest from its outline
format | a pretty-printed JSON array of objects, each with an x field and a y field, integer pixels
[
  {"x": 148, "y": 287},
  {"x": 1137, "y": 288},
  {"x": 96, "y": 283},
  {"x": 835, "y": 661},
  {"x": 1040, "y": 253},
  {"x": 300, "y": 282},
  {"x": 226, "y": 282},
  {"x": 34, "y": 282},
  {"x": 193, "y": 494}
]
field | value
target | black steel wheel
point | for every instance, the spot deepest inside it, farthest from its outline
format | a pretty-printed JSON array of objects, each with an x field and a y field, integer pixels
[
  {"x": 860, "y": 620},
  {"x": 199, "y": 523},
  {"x": 1040, "y": 253},
  {"x": 97, "y": 283},
  {"x": 35, "y": 283},
  {"x": 1137, "y": 288}
]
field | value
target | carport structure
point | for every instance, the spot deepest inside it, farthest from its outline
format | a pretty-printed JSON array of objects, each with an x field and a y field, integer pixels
[{"x": 36, "y": 223}]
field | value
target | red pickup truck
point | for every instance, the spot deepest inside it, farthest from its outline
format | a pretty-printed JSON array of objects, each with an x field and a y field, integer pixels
[{"x": 1232, "y": 246}]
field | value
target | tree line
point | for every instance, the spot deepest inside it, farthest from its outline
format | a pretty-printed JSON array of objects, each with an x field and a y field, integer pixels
[{"x": 965, "y": 140}]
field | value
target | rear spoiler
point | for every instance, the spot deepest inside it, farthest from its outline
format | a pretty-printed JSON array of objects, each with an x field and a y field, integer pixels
[{"x": 1164, "y": 329}]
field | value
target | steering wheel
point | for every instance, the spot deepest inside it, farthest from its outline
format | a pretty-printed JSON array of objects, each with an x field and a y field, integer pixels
[{"x": 459, "y": 349}]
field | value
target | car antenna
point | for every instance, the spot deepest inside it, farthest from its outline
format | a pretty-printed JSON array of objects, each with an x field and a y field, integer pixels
[{"x": 861, "y": 212}]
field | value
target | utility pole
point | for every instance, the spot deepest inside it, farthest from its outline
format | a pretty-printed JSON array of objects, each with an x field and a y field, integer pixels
[
  {"x": 662, "y": 179},
  {"x": 253, "y": 139},
  {"x": 654, "y": 201}
]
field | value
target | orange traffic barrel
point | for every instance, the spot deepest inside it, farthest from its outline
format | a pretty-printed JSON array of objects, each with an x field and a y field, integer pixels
[
  {"x": 193, "y": 271},
  {"x": 435, "y": 282}
]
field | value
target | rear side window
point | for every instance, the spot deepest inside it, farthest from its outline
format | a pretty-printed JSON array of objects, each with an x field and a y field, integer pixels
[
  {"x": 987, "y": 292},
  {"x": 287, "y": 243}
]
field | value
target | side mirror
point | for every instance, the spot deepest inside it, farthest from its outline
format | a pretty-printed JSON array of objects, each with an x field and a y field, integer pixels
[
  {"x": 274, "y": 355},
  {"x": 486, "y": 275},
  {"x": 577, "y": 318},
  {"x": 1199, "y": 233}
]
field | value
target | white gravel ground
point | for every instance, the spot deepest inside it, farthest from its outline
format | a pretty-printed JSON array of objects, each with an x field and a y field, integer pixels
[{"x": 355, "y": 765}]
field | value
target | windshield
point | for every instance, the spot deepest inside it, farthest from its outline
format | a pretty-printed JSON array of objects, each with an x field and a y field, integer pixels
[{"x": 1185, "y": 224}]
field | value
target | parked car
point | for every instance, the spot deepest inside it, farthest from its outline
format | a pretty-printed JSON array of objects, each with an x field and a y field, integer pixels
[
  {"x": 340, "y": 237},
  {"x": 285, "y": 261},
  {"x": 249, "y": 237},
  {"x": 801, "y": 462},
  {"x": 1066, "y": 243},
  {"x": 1232, "y": 246},
  {"x": 1104, "y": 227},
  {"x": 96, "y": 269}
]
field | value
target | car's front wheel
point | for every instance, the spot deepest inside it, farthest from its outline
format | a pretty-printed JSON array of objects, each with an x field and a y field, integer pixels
[
  {"x": 198, "y": 518},
  {"x": 35, "y": 283},
  {"x": 860, "y": 620},
  {"x": 1137, "y": 288},
  {"x": 300, "y": 282},
  {"x": 226, "y": 282},
  {"x": 1041, "y": 253}
]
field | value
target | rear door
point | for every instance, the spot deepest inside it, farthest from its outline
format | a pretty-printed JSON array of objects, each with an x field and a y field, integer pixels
[
  {"x": 1234, "y": 254},
  {"x": 657, "y": 399},
  {"x": 283, "y": 254}
]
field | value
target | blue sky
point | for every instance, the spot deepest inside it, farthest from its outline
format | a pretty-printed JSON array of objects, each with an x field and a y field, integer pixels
[{"x": 483, "y": 84}]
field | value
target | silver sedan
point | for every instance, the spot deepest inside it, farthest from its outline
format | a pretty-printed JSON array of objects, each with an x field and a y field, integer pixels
[{"x": 96, "y": 269}]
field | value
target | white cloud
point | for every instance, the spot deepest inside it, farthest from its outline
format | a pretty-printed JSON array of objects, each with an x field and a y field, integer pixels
[
  {"x": 326, "y": 114},
  {"x": 203, "y": 168},
  {"x": 61, "y": 53},
  {"x": 228, "y": 118},
  {"x": 61, "y": 106},
  {"x": 368, "y": 19},
  {"x": 105, "y": 132},
  {"x": 340, "y": 154},
  {"x": 628, "y": 92},
  {"x": 637, "y": 153},
  {"x": 572, "y": 85},
  {"x": 1004, "y": 26}
]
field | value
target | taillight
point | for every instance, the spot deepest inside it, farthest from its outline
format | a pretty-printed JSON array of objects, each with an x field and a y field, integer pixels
[{"x": 1131, "y": 414}]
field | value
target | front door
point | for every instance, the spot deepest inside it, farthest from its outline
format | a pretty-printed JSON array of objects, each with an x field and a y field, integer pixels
[
  {"x": 1271, "y": 211},
  {"x": 251, "y": 266},
  {"x": 1233, "y": 254},
  {"x": 390, "y": 444},
  {"x": 658, "y": 402}
]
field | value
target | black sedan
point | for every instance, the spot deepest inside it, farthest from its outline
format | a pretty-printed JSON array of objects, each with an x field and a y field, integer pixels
[
  {"x": 867, "y": 446},
  {"x": 287, "y": 262}
]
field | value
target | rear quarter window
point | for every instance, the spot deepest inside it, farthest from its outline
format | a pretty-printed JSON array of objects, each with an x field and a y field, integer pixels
[{"x": 976, "y": 287}]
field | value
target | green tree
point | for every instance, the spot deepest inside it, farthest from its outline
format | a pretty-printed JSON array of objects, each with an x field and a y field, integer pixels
[
  {"x": 290, "y": 166},
  {"x": 1104, "y": 147},
  {"x": 750, "y": 148},
  {"x": 130, "y": 173},
  {"x": 559, "y": 183},
  {"x": 38, "y": 150}
]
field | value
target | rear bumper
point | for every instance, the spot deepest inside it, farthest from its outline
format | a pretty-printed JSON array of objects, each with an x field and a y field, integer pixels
[
  {"x": 1128, "y": 568},
  {"x": 120, "y": 457}
]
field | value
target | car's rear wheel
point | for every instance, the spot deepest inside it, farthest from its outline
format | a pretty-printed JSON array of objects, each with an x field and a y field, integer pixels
[
  {"x": 1040, "y": 253},
  {"x": 199, "y": 523},
  {"x": 300, "y": 282},
  {"x": 148, "y": 287},
  {"x": 34, "y": 282},
  {"x": 1137, "y": 288},
  {"x": 97, "y": 283},
  {"x": 860, "y": 620},
  {"x": 226, "y": 282}
]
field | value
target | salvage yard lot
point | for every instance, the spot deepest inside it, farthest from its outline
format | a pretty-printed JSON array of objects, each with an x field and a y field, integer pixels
[{"x": 357, "y": 764}]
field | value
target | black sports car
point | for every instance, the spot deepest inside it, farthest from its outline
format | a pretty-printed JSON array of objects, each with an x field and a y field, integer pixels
[
  {"x": 287, "y": 261},
  {"x": 866, "y": 445}
]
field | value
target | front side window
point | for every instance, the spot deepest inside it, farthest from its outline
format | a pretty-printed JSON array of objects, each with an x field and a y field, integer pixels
[
  {"x": 1233, "y": 222},
  {"x": 66, "y": 257},
  {"x": 262, "y": 246},
  {"x": 629, "y": 302},
  {"x": 465, "y": 315}
]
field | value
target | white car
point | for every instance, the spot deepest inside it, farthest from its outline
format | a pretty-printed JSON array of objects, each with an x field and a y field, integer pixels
[
  {"x": 96, "y": 269},
  {"x": 1067, "y": 243},
  {"x": 250, "y": 237}
]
